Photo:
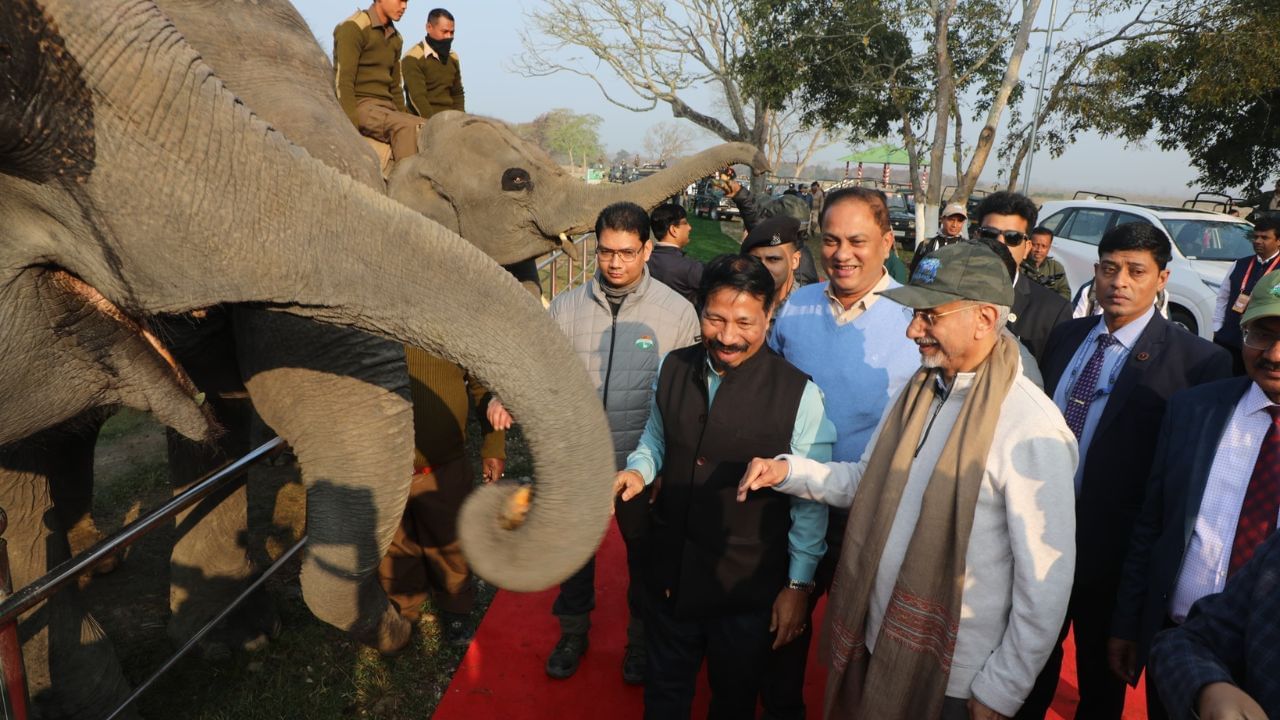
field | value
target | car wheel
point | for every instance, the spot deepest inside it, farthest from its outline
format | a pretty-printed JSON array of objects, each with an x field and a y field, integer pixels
[
  {"x": 715, "y": 214},
  {"x": 1179, "y": 316}
]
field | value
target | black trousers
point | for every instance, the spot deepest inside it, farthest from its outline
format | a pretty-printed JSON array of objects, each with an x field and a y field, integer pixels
[
  {"x": 577, "y": 596},
  {"x": 1101, "y": 693},
  {"x": 783, "y": 692},
  {"x": 735, "y": 647}
]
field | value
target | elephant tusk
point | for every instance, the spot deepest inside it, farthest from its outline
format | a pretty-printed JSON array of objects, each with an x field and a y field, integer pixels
[{"x": 570, "y": 248}]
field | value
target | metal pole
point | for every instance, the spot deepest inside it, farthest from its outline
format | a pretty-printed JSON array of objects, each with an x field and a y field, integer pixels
[
  {"x": 186, "y": 648},
  {"x": 69, "y": 570},
  {"x": 1035, "y": 119}
]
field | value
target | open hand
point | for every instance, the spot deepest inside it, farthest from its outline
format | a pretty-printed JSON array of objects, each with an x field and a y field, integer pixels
[{"x": 762, "y": 473}]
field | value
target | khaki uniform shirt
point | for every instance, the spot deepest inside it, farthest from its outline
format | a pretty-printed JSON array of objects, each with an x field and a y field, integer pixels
[{"x": 366, "y": 62}]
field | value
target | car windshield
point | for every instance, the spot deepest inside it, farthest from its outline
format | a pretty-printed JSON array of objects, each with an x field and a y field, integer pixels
[{"x": 1209, "y": 240}]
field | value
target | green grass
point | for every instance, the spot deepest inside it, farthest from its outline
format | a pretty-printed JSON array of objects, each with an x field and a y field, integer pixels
[
  {"x": 125, "y": 422},
  {"x": 706, "y": 241}
]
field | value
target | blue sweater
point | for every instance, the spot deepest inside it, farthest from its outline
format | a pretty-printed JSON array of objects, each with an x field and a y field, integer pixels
[{"x": 859, "y": 366}]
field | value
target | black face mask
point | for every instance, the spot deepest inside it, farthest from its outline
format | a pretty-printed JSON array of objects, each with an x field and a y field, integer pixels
[{"x": 441, "y": 47}]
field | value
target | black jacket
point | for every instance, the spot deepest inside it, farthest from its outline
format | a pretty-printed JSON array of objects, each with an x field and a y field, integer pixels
[
  {"x": 669, "y": 265},
  {"x": 1038, "y": 311},
  {"x": 1193, "y": 427},
  {"x": 1164, "y": 360}
]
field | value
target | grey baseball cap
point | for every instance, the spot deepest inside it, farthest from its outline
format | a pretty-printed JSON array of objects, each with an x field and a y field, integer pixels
[
  {"x": 960, "y": 271},
  {"x": 955, "y": 209}
]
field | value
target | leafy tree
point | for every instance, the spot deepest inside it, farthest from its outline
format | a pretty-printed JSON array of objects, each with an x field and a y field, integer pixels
[
  {"x": 1206, "y": 79},
  {"x": 566, "y": 136}
]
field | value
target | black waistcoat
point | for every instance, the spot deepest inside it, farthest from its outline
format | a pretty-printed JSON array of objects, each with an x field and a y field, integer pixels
[
  {"x": 712, "y": 554},
  {"x": 1230, "y": 334}
]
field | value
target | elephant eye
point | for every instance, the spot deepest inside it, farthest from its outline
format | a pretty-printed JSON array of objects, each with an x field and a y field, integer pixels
[{"x": 516, "y": 179}]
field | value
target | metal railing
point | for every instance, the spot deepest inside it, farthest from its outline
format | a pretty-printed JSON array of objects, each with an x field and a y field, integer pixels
[
  {"x": 15, "y": 700},
  {"x": 560, "y": 273}
]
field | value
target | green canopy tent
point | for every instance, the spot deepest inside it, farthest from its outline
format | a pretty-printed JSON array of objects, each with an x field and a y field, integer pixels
[{"x": 885, "y": 155}]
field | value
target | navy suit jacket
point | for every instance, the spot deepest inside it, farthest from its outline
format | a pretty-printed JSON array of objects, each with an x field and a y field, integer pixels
[
  {"x": 1229, "y": 637},
  {"x": 1164, "y": 360},
  {"x": 1193, "y": 427}
]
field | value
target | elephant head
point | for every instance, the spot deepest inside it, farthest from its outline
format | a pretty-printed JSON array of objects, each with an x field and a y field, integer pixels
[
  {"x": 133, "y": 183},
  {"x": 475, "y": 176}
]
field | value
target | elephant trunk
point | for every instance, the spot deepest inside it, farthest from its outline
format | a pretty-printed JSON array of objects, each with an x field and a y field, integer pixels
[
  {"x": 580, "y": 208},
  {"x": 259, "y": 221}
]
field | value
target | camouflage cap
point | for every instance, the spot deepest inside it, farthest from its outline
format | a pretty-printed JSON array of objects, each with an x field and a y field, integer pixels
[
  {"x": 1264, "y": 301},
  {"x": 960, "y": 271}
]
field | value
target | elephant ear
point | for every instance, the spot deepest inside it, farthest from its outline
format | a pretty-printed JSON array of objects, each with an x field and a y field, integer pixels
[{"x": 46, "y": 119}]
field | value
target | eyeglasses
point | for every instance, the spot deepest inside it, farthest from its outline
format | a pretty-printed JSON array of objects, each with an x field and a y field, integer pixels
[
  {"x": 627, "y": 255},
  {"x": 1012, "y": 238},
  {"x": 930, "y": 317},
  {"x": 1259, "y": 339}
]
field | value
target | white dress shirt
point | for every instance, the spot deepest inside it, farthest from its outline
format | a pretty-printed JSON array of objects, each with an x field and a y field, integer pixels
[{"x": 1204, "y": 565}]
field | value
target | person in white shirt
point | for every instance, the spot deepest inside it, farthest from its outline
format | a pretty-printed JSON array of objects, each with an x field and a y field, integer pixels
[{"x": 959, "y": 554}]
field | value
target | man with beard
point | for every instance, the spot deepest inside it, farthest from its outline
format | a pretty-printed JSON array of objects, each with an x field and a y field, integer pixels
[
  {"x": 1112, "y": 376},
  {"x": 958, "y": 556},
  {"x": 1213, "y": 497},
  {"x": 620, "y": 323},
  {"x": 432, "y": 77},
  {"x": 725, "y": 581},
  {"x": 1236, "y": 288}
]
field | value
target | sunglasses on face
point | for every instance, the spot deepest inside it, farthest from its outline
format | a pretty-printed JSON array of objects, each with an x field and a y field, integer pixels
[{"x": 1012, "y": 238}]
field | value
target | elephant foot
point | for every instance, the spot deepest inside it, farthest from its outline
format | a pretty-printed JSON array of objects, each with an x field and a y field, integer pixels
[
  {"x": 390, "y": 637},
  {"x": 250, "y": 627},
  {"x": 517, "y": 508}
]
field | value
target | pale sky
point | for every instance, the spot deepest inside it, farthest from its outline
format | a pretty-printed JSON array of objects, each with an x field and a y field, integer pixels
[{"x": 488, "y": 37}]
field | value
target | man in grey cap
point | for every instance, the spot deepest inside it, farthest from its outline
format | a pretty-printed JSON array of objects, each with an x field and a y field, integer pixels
[
  {"x": 960, "y": 548},
  {"x": 950, "y": 230}
]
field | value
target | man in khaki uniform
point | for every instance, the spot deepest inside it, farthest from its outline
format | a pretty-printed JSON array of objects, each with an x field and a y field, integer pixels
[
  {"x": 432, "y": 78},
  {"x": 366, "y": 58}
]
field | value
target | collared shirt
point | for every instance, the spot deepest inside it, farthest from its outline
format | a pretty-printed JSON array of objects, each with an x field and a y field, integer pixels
[
  {"x": 812, "y": 437},
  {"x": 863, "y": 304},
  {"x": 388, "y": 29},
  {"x": 1204, "y": 565},
  {"x": 1224, "y": 299},
  {"x": 1112, "y": 364}
]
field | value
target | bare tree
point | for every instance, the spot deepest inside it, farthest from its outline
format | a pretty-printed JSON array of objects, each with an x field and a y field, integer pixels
[
  {"x": 666, "y": 140},
  {"x": 790, "y": 141},
  {"x": 659, "y": 49}
]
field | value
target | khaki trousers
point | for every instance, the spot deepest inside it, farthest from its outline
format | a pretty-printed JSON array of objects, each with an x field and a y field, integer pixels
[
  {"x": 382, "y": 121},
  {"x": 425, "y": 557}
]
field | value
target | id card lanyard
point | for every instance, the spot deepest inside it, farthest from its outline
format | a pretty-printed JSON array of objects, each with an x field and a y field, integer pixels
[{"x": 1242, "y": 300}]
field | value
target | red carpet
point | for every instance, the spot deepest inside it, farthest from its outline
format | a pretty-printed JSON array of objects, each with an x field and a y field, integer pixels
[{"x": 502, "y": 674}]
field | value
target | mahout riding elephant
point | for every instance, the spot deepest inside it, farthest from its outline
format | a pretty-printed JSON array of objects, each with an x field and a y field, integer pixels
[{"x": 135, "y": 185}]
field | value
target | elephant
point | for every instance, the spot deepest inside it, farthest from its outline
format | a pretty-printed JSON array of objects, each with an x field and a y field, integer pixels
[
  {"x": 115, "y": 139},
  {"x": 327, "y": 379}
]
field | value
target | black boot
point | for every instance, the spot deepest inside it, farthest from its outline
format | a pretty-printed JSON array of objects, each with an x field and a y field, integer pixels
[{"x": 565, "y": 659}]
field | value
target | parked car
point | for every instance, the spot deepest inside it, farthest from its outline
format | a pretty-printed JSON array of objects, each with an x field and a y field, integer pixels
[
  {"x": 1204, "y": 246},
  {"x": 902, "y": 218},
  {"x": 714, "y": 204}
]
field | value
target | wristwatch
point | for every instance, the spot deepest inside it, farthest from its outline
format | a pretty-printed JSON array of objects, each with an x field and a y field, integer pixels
[{"x": 801, "y": 586}]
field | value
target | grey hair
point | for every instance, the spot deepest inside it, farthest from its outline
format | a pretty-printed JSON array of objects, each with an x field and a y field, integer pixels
[{"x": 1002, "y": 316}]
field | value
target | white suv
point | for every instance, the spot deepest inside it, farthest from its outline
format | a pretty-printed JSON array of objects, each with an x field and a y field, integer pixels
[{"x": 1204, "y": 246}]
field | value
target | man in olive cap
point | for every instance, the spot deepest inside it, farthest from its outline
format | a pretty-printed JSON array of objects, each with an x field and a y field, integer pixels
[
  {"x": 959, "y": 553},
  {"x": 1213, "y": 498}
]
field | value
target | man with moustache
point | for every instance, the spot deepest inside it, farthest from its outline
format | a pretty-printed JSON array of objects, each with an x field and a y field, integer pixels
[
  {"x": 776, "y": 243},
  {"x": 1112, "y": 378},
  {"x": 854, "y": 345},
  {"x": 725, "y": 581},
  {"x": 1213, "y": 497},
  {"x": 958, "y": 555}
]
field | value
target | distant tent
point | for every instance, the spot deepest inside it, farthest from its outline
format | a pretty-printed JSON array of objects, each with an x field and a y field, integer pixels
[{"x": 882, "y": 155}]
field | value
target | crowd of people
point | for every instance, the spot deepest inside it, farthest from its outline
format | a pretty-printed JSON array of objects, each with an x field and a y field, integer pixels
[
  {"x": 968, "y": 459},
  {"x": 966, "y": 469}
]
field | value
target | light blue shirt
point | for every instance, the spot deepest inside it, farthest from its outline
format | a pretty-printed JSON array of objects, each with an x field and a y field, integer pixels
[
  {"x": 812, "y": 437},
  {"x": 1112, "y": 364}
]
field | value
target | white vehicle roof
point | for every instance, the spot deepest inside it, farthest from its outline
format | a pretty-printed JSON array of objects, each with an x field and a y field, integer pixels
[{"x": 1150, "y": 211}]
